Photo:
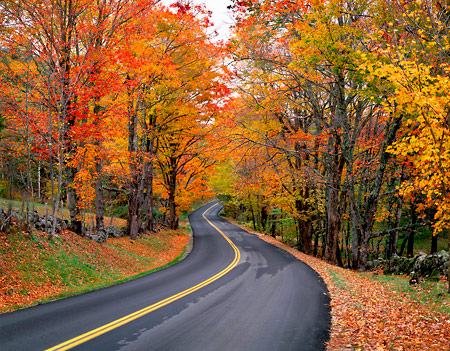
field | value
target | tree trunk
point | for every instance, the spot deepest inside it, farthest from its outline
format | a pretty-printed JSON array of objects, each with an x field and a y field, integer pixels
[
  {"x": 305, "y": 228},
  {"x": 399, "y": 220},
  {"x": 173, "y": 218},
  {"x": 149, "y": 220},
  {"x": 134, "y": 227},
  {"x": 410, "y": 248},
  {"x": 402, "y": 247},
  {"x": 448, "y": 268},
  {"x": 299, "y": 238},
  {"x": 72, "y": 197},
  {"x": 316, "y": 243},
  {"x": 67, "y": 103},
  {"x": 305, "y": 221},
  {"x": 364, "y": 252},
  {"x": 252, "y": 212},
  {"x": 99, "y": 200},
  {"x": 273, "y": 228},
  {"x": 264, "y": 217},
  {"x": 371, "y": 203},
  {"x": 134, "y": 219},
  {"x": 333, "y": 227},
  {"x": 339, "y": 256},
  {"x": 434, "y": 244},
  {"x": 354, "y": 226}
]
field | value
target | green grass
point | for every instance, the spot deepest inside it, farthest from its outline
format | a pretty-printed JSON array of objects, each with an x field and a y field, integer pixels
[
  {"x": 422, "y": 242},
  {"x": 432, "y": 294},
  {"x": 75, "y": 264},
  {"x": 140, "y": 259},
  {"x": 104, "y": 284},
  {"x": 337, "y": 279},
  {"x": 74, "y": 271}
]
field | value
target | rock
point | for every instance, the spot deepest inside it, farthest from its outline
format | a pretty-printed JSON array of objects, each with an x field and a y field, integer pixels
[
  {"x": 109, "y": 232},
  {"x": 96, "y": 238},
  {"x": 16, "y": 215},
  {"x": 42, "y": 222},
  {"x": 375, "y": 264},
  {"x": 33, "y": 216},
  {"x": 405, "y": 265},
  {"x": 113, "y": 232},
  {"x": 431, "y": 266},
  {"x": 443, "y": 253},
  {"x": 100, "y": 237},
  {"x": 420, "y": 266},
  {"x": 419, "y": 260}
]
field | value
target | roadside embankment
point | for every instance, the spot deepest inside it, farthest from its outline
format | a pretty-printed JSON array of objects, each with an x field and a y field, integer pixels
[{"x": 37, "y": 268}]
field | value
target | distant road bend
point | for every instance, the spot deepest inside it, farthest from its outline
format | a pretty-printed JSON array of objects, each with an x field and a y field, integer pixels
[{"x": 233, "y": 292}]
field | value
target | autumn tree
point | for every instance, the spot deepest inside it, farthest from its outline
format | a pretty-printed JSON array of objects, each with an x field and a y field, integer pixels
[
  {"x": 311, "y": 76},
  {"x": 66, "y": 44},
  {"x": 417, "y": 71},
  {"x": 171, "y": 86}
]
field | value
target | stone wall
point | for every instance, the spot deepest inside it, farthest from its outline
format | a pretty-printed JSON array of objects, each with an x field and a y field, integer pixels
[
  {"x": 419, "y": 266},
  {"x": 42, "y": 223}
]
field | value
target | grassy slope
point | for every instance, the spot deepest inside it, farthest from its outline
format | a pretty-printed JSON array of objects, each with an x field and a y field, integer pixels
[
  {"x": 376, "y": 312},
  {"x": 35, "y": 268}
]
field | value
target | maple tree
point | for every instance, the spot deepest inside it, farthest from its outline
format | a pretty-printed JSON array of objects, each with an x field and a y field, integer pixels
[
  {"x": 199, "y": 87},
  {"x": 173, "y": 84},
  {"x": 306, "y": 82},
  {"x": 417, "y": 72},
  {"x": 330, "y": 86},
  {"x": 132, "y": 76},
  {"x": 61, "y": 45}
]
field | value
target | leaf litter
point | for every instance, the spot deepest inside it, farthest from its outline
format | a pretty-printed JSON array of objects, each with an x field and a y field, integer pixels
[
  {"x": 35, "y": 268},
  {"x": 368, "y": 315}
]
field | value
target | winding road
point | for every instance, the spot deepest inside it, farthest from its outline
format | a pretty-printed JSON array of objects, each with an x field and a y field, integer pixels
[{"x": 233, "y": 292}]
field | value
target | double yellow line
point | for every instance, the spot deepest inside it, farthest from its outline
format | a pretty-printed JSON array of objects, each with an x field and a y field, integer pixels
[{"x": 131, "y": 317}]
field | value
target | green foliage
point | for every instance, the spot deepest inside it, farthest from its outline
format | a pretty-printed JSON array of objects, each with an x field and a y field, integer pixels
[
  {"x": 119, "y": 211},
  {"x": 422, "y": 241},
  {"x": 4, "y": 187},
  {"x": 2, "y": 124}
]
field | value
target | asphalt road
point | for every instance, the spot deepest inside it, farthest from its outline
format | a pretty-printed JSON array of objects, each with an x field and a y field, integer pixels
[{"x": 262, "y": 299}]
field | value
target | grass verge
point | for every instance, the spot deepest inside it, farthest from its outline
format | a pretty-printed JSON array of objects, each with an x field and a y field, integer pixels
[{"x": 36, "y": 268}]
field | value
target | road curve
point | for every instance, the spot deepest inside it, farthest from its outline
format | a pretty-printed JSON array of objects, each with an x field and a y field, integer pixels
[{"x": 268, "y": 301}]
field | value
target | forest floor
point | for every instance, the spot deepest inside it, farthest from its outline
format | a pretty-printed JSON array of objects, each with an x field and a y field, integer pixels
[
  {"x": 36, "y": 268},
  {"x": 371, "y": 311}
]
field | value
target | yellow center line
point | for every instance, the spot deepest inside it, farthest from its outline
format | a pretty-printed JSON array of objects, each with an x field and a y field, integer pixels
[{"x": 131, "y": 317}]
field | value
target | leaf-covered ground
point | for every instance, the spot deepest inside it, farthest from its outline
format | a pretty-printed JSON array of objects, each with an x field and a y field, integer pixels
[
  {"x": 373, "y": 314},
  {"x": 35, "y": 268}
]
